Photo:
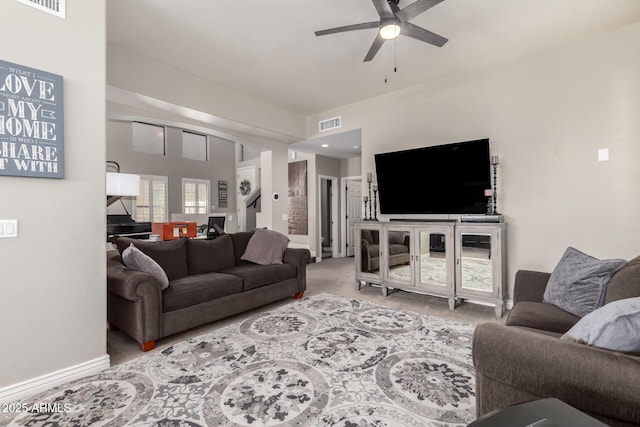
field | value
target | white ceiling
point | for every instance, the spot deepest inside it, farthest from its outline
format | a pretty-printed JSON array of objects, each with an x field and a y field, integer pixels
[{"x": 268, "y": 49}]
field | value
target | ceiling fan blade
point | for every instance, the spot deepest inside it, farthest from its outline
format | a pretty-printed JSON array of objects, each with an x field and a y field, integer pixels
[
  {"x": 383, "y": 8},
  {"x": 375, "y": 47},
  {"x": 419, "y": 33},
  {"x": 353, "y": 27},
  {"x": 416, "y": 8}
]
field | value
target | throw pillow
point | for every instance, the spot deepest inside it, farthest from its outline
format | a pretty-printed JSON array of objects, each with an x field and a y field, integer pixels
[
  {"x": 578, "y": 283},
  {"x": 614, "y": 326},
  {"x": 171, "y": 255},
  {"x": 266, "y": 247},
  {"x": 135, "y": 259}
]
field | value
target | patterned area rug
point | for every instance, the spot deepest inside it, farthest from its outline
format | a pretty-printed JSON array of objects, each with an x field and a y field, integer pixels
[{"x": 319, "y": 361}]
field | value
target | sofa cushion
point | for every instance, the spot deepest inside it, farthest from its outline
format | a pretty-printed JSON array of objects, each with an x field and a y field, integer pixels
[
  {"x": 367, "y": 236},
  {"x": 255, "y": 275},
  {"x": 170, "y": 254},
  {"x": 207, "y": 256},
  {"x": 543, "y": 316},
  {"x": 625, "y": 283},
  {"x": 196, "y": 289},
  {"x": 240, "y": 241},
  {"x": 396, "y": 237},
  {"x": 614, "y": 326},
  {"x": 578, "y": 282},
  {"x": 266, "y": 247},
  {"x": 135, "y": 259},
  {"x": 395, "y": 249}
]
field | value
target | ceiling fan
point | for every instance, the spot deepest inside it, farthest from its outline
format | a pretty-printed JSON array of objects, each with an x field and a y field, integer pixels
[{"x": 393, "y": 22}]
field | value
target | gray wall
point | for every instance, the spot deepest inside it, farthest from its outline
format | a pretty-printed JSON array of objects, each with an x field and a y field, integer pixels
[
  {"x": 53, "y": 304},
  {"x": 220, "y": 167},
  {"x": 547, "y": 114}
]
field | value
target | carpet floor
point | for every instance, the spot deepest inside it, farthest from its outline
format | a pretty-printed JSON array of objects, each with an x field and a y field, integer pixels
[{"x": 324, "y": 360}]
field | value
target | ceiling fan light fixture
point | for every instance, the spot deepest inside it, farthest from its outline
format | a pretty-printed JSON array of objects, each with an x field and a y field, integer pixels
[{"x": 390, "y": 30}]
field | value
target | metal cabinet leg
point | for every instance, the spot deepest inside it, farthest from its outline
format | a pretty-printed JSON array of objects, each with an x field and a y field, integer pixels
[
  {"x": 452, "y": 303},
  {"x": 358, "y": 284},
  {"x": 385, "y": 291},
  {"x": 499, "y": 311}
]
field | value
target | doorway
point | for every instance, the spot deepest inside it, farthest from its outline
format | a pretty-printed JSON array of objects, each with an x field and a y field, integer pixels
[
  {"x": 351, "y": 212},
  {"x": 328, "y": 217}
]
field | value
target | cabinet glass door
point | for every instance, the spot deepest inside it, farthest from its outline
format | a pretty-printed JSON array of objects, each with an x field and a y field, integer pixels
[
  {"x": 399, "y": 254},
  {"x": 369, "y": 241},
  {"x": 475, "y": 262},
  {"x": 432, "y": 259}
]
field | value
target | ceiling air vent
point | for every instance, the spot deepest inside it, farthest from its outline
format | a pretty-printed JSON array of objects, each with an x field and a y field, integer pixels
[
  {"x": 329, "y": 124},
  {"x": 54, "y": 7}
]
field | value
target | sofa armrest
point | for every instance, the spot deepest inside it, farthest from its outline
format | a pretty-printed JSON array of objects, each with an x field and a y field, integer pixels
[
  {"x": 296, "y": 256},
  {"x": 129, "y": 284},
  {"x": 529, "y": 285},
  {"x": 514, "y": 365},
  {"x": 300, "y": 258}
]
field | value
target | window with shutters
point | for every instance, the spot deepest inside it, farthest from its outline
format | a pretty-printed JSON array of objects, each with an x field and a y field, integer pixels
[
  {"x": 195, "y": 196},
  {"x": 152, "y": 205}
]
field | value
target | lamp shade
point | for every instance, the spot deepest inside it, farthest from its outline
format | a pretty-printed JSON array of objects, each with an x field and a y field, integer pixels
[
  {"x": 122, "y": 184},
  {"x": 390, "y": 29}
]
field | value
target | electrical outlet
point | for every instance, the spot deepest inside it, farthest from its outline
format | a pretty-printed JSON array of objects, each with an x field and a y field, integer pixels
[{"x": 8, "y": 228}]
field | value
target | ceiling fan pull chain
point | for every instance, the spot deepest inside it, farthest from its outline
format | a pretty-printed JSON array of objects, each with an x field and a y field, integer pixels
[
  {"x": 385, "y": 65},
  {"x": 395, "y": 55}
]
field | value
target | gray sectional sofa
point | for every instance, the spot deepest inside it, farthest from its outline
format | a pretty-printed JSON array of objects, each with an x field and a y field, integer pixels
[
  {"x": 526, "y": 360},
  {"x": 208, "y": 281}
]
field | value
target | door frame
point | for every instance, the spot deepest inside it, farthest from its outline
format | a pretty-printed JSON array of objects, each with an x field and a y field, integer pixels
[
  {"x": 334, "y": 216},
  {"x": 343, "y": 212}
]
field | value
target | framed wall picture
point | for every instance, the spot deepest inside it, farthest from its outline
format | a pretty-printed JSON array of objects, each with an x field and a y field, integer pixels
[
  {"x": 31, "y": 122},
  {"x": 298, "y": 202}
]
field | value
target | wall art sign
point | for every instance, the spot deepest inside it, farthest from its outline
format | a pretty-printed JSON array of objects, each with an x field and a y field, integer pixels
[
  {"x": 31, "y": 122},
  {"x": 222, "y": 194}
]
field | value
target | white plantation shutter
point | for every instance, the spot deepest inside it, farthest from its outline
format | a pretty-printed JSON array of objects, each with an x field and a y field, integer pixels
[
  {"x": 152, "y": 203},
  {"x": 195, "y": 195}
]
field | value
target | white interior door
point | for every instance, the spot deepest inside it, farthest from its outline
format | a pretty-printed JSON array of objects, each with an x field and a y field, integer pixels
[
  {"x": 246, "y": 184},
  {"x": 354, "y": 212}
]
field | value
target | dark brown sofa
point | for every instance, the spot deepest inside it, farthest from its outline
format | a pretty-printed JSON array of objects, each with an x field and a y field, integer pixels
[
  {"x": 207, "y": 281},
  {"x": 525, "y": 360}
]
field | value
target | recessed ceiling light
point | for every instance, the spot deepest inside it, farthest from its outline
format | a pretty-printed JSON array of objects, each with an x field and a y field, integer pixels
[
  {"x": 324, "y": 145},
  {"x": 356, "y": 146}
]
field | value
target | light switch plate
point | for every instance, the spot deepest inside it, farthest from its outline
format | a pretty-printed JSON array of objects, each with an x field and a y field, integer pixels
[
  {"x": 603, "y": 154},
  {"x": 8, "y": 228}
]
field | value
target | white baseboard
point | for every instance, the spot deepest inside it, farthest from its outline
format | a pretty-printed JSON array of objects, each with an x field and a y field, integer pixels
[{"x": 36, "y": 385}]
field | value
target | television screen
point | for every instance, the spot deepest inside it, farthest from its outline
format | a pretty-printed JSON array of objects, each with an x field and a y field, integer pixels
[{"x": 441, "y": 179}]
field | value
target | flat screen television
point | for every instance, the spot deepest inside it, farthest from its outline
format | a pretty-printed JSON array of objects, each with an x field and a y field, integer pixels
[{"x": 441, "y": 179}]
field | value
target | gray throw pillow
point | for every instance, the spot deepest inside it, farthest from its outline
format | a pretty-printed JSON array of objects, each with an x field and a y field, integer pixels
[
  {"x": 266, "y": 247},
  {"x": 614, "y": 326},
  {"x": 578, "y": 283},
  {"x": 135, "y": 259}
]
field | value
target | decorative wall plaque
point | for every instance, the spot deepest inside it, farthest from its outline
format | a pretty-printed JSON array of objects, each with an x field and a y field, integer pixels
[
  {"x": 222, "y": 194},
  {"x": 31, "y": 122}
]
